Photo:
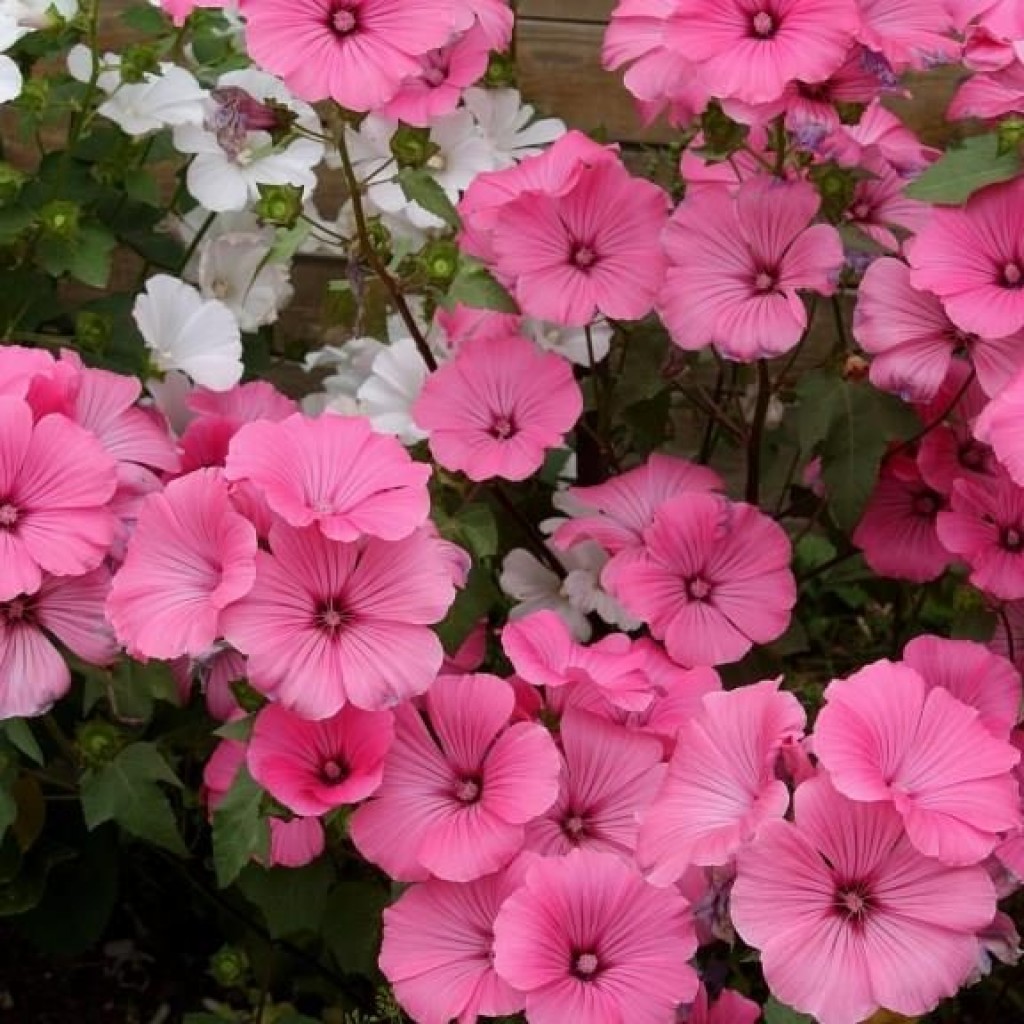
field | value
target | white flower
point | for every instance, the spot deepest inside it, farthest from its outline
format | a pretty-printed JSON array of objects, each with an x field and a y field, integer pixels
[
  {"x": 507, "y": 125},
  {"x": 171, "y": 396},
  {"x": 234, "y": 149},
  {"x": 388, "y": 394},
  {"x": 33, "y": 14},
  {"x": 538, "y": 588},
  {"x": 570, "y": 342},
  {"x": 186, "y": 332},
  {"x": 352, "y": 363}
]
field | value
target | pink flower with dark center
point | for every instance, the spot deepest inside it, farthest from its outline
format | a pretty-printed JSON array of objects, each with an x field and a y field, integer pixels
[
  {"x": 729, "y": 1008},
  {"x": 737, "y": 263},
  {"x": 849, "y": 917},
  {"x": 333, "y": 471},
  {"x": 438, "y": 949},
  {"x": 56, "y": 482},
  {"x": 884, "y": 735},
  {"x": 313, "y": 767},
  {"x": 295, "y": 843},
  {"x": 356, "y": 52},
  {"x": 1001, "y": 425},
  {"x": 588, "y": 940},
  {"x": 609, "y": 779},
  {"x": 497, "y": 407},
  {"x": 33, "y": 674},
  {"x": 721, "y": 785},
  {"x": 462, "y": 781},
  {"x": 713, "y": 579},
  {"x": 880, "y": 207},
  {"x": 328, "y": 623}
]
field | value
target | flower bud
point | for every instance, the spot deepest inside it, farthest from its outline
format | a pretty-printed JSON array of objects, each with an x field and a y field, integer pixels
[
  {"x": 280, "y": 205},
  {"x": 229, "y": 966},
  {"x": 99, "y": 741},
  {"x": 411, "y": 147}
]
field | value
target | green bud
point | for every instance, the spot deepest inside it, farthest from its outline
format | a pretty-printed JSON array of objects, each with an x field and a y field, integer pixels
[
  {"x": 837, "y": 187},
  {"x": 11, "y": 181},
  {"x": 440, "y": 260},
  {"x": 722, "y": 135},
  {"x": 1011, "y": 134},
  {"x": 229, "y": 966},
  {"x": 35, "y": 95},
  {"x": 137, "y": 62},
  {"x": 380, "y": 239},
  {"x": 59, "y": 218},
  {"x": 501, "y": 72},
  {"x": 93, "y": 331},
  {"x": 411, "y": 147},
  {"x": 99, "y": 741},
  {"x": 280, "y": 205}
]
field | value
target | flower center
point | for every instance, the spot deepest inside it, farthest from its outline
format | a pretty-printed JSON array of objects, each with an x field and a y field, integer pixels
[
  {"x": 343, "y": 21},
  {"x": 1013, "y": 275},
  {"x": 585, "y": 965},
  {"x": 1012, "y": 539},
  {"x": 468, "y": 790},
  {"x": 698, "y": 589},
  {"x": 972, "y": 455},
  {"x": 853, "y": 901},
  {"x": 331, "y": 618},
  {"x": 861, "y": 211},
  {"x": 765, "y": 282},
  {"x": 333, "y": 771},
  {"x": 583, "y": 257},
  {"x": 573, "y": 826},
  {"x": 435, "y": 67},
  {"x": 8, "y": 515},
  {"x": 503, "y": 427},
  {"x": 925, "y": 505},
  {"x": 763, "y": 25},
  {"x": 15, "y": 611}
]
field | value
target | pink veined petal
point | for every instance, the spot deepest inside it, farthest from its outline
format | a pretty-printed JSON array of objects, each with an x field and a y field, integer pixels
[
  {"x": 72, "y": 609},
  {"x": 32, "y": 674},
  {"x": 520, "y": 777}
]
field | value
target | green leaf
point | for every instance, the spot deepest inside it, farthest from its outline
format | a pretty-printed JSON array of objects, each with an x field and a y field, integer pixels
[
  {"x": 141, "y": 186},
  {"x": 27, "y": 888},
  {"x": 474, "y": 286},
  {"x": 470, "y": 605},
  {"x": 287, "y": 242},
  {"x": 149, "y": 21},
  {"x": 8, "y": 811},
  {"x": 91, "y": 257},
  {"x": 19, "y": 735},
  {"x": 239, "y": 831},
  {"x": 352, "y": 926},
  {"x": 240, "y": 729},
  {"x": 776, "y": 1013},
  {"x": 959, "y": 173},
  {"x": 290, "y": 899},
  {"x": 126, "y": 791},
  {"x": 132, "y": 688},
  {"x": 421, "y": 187},
  {"x": 475, "y": 524},
  {"x": 820, "y": 397}
]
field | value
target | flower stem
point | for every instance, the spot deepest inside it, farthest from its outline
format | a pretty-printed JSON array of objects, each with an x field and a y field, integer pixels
[{"x": 756, "y": 439}]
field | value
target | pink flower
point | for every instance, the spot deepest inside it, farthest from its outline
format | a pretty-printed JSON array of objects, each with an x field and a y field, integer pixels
[
  {"x": 616, "y": 513},
  {"x": 972, "y": 674},
  {"x": 356, "y": 52},
  {"x": 328, "y": 623},
  {"x": 1001, "y": 425},
  {"x": 897, "y": 532},
  {"x": 33, "y": 674},
  {"x": 55, "y": 483},
  {"x": 973, "y": 259},
  {"x": 884, "y": 735},
  {"x": 592, "y": 249},
  {"x": 729, "y": 1008},
  {"x": 221, "y": 770},
  {"x": 333, "y": 471},
  {"x": 609, "y": 779},
  {"x": 879, "y": 204},
  {"x": 589, "y": 941},
  {"x": 990, "y": 96},
  {"x": 295, "y": 843},
  {"x": 179, "y": 10},
  {"x": 462, "y": 788},
  {"x": 984, "y": 525},
  {"x": 19, "y": 366},
  {"x": 750, "y": 49},
  {"x": 496, "y": 408},
  {"x": 721, "y": 785},
  {"x": 914, "y": 33},
  {"x": 849, "y": 917},
  {"x": 313, "y": 767},
  {"x": 713, "y": 579},
  {"x": 737, "y": 262},
  {"x": 191, "y": 556},
  {"x": 438, "y": 949}
]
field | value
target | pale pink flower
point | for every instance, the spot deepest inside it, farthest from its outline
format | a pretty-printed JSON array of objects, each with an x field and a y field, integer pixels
[
  {"x": 713, "y": 579},
  {"x": 191, "y": 556},
  {"x": 214, "y": 672},
  {"x": 592, "y": 249},
  {"x": 461, "y": 788},
  {"x": 984, "y": 525},
  {"x": 973, "y": 259},
  {"x": 849, "y": 917},
  {"x": 356, "y": 52},
  {"x": 19, "y": 366},
  {"x": 990, "y": 96},
  {"x": 328, "y": 623},
  {"x": 883, "y": 735},
  {"x": 609, "y": 778},
  {"x": 55, "y": 485},
  {"x": 736, "y": 264},
  {"x": 729, "y": 1008},
  {"x": 879, "y": 205},
  {"x": 333, "y": 471},
  {"x": 909, "y": 33},
  {"x": 972, "y": 674},
  {"x": 313, "y": 767},
  {"x": 33, "y": 673},
  {"x": 1001, "y": 425},
  {"x": 589, "y": 941},
  {"x": 882, "y": 131},
  {"x": 750, "y": 49},
  {"x": 438, "y": 949},
  {"x": 296, "y": 842},
  {"x": 495, "y": 409},
  {"x": 220, "y": 772},
  {"x": 721, "y": 785}
]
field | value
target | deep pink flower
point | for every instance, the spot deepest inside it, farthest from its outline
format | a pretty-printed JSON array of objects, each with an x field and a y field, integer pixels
[
  {"x": 296, "y": 842},
  {"x": 750, "y": 49},
  {"x": 849, "y": 917},
  {"x": 984, "y": 525},
  {"x": 220, "y": 772},
  {"x": 55, "y": 484},
  {"x": 333, "y": 471},
  {"x": 729, "y": 1008},
  {"x": 313, "y": 767},
  {"x": 496, "y": 408},
  {"x": 589, "y": 941},
  {"x": 355, "y": 52},
  {"x": 460, "y": 790},
  {"x": 616, "y": 513},
  {"x": 713, "y": 579},
  {"x": 737, "y": 262},
  {"x": 972, "y": 674},
  {"x": 1001, "y": 425},
  {"x": 592, "y": 249},
  {"x": 438, "y": 949},
  {"x": 884, "y": 735},
  {"x": 33, "y": 674},
  {"x": 191, "y": 556},
  {"x": 909, "y": 33},
  {"x": 609, "y": 779},
  {"x": 721, "y": 785},
  {"x": 897, "y": 533},
  {"x": 328, "y": 623},
  {"x": 973, "y": 259},
  {"x": 214, "y": 672}
]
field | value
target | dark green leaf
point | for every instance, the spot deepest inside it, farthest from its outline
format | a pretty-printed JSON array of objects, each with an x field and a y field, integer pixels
[
  {"x": 239, "y": 831},
  {"x": 141, "y": 186},
  {"x": 290, "y": 899},
  {"x": 471, "y": 603},
  {"x": 91, "y": 257},
  {"x": 820, "y": 398},
  {"x": 240, "y": 729},
  {"x": 19, "y": 735},
  {"x": 27, "y": 888},
  {"x": 474, "y": 286},
  {"x": 476, "y": 527},
  {"x": 960, "y": 172},
  {"x": 352, "y": 925},
  {"x": 421, "y": 187},
  {"x": 8, "y": 810},
  {"x": 149, "y": 21},
  {"x": 776, "y": 1013}
]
